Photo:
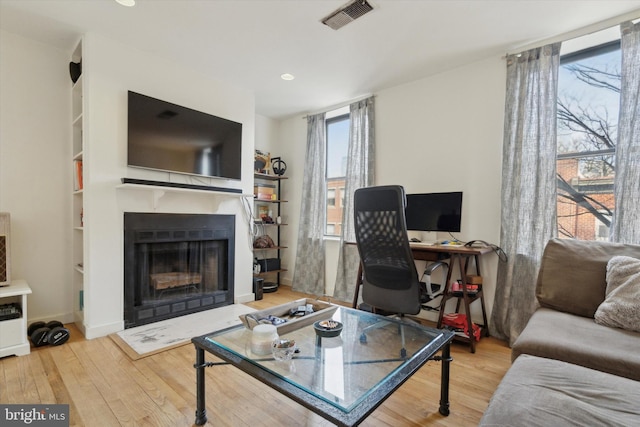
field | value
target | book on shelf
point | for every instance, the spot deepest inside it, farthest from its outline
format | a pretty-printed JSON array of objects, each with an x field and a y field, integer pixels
[{"x": 77, "y": 176}]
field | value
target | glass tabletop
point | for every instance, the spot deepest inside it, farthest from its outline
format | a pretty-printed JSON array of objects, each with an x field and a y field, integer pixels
[{"x": 344, "y": 370}]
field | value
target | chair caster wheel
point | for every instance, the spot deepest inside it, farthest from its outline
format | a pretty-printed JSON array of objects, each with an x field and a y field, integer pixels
[
  {"x": 403, "y": 353},
  {"x": 363, "y": 339}
]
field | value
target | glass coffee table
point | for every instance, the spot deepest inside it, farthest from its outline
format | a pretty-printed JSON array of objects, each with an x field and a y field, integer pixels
[{"x": 343, "y": 379}]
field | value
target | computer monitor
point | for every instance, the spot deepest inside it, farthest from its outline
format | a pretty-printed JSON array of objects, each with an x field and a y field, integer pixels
[{"x": 434, "y": 211}]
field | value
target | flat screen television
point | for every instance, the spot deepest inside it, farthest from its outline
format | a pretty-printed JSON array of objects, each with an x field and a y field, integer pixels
[
  {"x": 434, "y": 211},
  {"x": 171, "y": 138}
]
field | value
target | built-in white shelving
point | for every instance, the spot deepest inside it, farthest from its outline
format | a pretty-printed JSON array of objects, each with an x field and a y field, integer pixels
[{"x": 78, "y": 168}]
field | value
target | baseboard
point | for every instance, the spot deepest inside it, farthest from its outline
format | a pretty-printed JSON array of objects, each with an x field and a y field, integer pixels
[
  {"x": 91, "y": 332},
  {"x": 64, "y": 318},
  {"x": 241, "y": 299}
]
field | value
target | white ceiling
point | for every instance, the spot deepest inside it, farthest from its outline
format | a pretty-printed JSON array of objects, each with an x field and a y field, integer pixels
[{"x": 250, "y": 43}]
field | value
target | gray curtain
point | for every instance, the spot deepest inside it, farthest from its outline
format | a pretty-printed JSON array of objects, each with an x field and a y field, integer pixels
[
  {"x": 309, "y": 273},
  {"x": 626, "y": 216},
  {"x": 360, "y": 173},
  {"x": 528, "y": 184}
]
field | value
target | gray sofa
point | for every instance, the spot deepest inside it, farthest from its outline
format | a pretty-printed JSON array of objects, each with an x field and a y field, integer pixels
[{"x": 568, "y": 369}]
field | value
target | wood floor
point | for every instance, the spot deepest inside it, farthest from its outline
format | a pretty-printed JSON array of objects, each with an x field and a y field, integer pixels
[{"x": 104, "y": 387}]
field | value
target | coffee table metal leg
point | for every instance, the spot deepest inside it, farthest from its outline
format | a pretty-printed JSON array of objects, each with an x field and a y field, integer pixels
[
  {"x": 201, "y": 410},
  {"x": 444, "y": 380}
]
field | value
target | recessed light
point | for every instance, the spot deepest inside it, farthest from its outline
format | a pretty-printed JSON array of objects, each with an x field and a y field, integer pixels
[
  {"x": 128, "y": 3},
  {"x": 287, "y": 76}
]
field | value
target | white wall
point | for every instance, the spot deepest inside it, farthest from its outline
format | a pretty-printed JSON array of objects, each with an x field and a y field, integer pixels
[
  {"x": 35, "y": 178},
  {"x": 292, "y": 146},
  {"x": 441, "y": 133}
]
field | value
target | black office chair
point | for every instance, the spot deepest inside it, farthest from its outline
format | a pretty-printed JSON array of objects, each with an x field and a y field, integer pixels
[{"x": 390, "y": 279}]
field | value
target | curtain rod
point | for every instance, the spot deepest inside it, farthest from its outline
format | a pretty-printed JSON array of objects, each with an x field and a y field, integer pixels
[
  {"x": 336, "y": 106},
  {"x": 580, "y": 32}
]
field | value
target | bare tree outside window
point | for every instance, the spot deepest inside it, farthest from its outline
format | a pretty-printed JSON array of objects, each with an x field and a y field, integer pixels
[{"x": 588, "y": 103}]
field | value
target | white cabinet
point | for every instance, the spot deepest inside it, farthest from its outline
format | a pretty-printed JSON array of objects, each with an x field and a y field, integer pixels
[{"x": 13, "y": 332}]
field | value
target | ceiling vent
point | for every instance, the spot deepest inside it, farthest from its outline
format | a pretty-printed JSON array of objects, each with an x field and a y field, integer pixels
[{"x": 347, "y": 13}]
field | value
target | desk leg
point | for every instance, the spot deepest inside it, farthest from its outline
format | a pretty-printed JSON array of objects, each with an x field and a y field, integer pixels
[
  {"x": 201, "y": 410},
  {"x": 447, "y": 290},
  {"x": 444, "y": 380}
]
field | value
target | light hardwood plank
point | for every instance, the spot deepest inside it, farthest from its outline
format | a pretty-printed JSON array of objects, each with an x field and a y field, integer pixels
[{"x": 105, "y": 387}]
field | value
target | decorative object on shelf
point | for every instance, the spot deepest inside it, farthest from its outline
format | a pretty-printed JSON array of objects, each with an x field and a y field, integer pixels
[
  {"x": 262, "y": 242},
  {"x": 262, "y": 162},
  {"x": 265, "y": 215},
  {"x": 269, "y": 264},
  {"x": 75, "y": 70},
  {"x": 78, "y": 182},
  {"x": 262, "y": 191},
  {"x": 279, "y": 166}
]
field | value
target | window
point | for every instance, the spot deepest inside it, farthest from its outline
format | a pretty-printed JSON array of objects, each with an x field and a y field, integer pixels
[
  {"x": 331, "y": 197},
  {"x": 588, "y": 103},
  {"x": 337, "y": 149}
]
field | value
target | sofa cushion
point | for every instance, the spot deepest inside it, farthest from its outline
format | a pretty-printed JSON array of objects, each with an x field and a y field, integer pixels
[
  {"x": 621, "y": 307},
  {"x": 572, "y": 274},
  {"x": 580, "y": 340},
  {"x": 543, "y": 392}
]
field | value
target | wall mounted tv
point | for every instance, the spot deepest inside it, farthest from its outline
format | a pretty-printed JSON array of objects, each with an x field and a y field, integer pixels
[
  {"x": 434, "y": 211},
  {"x": 171, "y": 138}
]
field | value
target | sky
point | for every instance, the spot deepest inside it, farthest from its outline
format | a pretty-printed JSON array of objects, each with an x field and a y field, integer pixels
[
  {"x": 337, "y": 144},
  {"x": 599, "y": 99}
]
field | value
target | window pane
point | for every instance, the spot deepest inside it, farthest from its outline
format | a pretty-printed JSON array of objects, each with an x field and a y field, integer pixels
[
  {"x": 331, "y": 197},
  {"x": 337, "y": 146},
  {"x": 337, "y": 150},
  {"x": 588, "y": 102}
]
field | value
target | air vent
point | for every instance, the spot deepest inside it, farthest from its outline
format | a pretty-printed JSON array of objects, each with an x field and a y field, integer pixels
[{"x": 347, "y": 13}]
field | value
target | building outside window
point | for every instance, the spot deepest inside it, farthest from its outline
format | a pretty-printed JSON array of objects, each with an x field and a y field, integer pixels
[
  {"x": 337, "y": 149},
  {"x": 331, "y": 197},
  {"x": 588, "y": 103}
]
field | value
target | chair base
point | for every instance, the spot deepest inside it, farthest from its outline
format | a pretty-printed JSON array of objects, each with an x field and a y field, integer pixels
[{"x": 402, "y": 319}]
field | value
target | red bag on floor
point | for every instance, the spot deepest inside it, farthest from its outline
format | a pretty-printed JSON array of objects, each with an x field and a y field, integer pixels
[{"x": 459, "y": 321}]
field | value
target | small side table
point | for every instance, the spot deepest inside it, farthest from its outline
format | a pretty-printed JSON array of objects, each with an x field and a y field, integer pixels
[{"x": 13, "y": 332}]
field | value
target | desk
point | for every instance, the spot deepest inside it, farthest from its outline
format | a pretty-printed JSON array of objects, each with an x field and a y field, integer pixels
[
  {"x": 459, "y": 258},
  {"x": 342, "y": 379}
]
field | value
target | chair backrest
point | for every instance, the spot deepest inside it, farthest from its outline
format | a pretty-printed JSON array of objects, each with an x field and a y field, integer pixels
[{"x": 390, "y": 279}]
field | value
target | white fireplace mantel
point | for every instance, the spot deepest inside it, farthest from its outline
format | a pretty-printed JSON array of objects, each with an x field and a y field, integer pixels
[{"x": 157, "y": 193}]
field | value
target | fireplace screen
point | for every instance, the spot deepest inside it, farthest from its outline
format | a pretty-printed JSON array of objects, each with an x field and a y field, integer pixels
[{"x": 169, "y": 270}]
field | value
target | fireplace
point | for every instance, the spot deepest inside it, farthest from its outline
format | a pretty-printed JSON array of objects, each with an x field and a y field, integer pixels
[{"x": 176, "y": 264}]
